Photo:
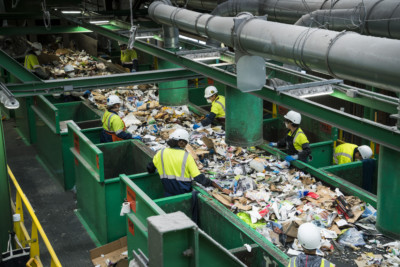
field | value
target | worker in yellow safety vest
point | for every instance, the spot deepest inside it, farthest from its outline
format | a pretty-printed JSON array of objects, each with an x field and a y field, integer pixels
[
  {"x": 346, "y": 153},
  {"x": 31, "y": 60},
  {"x": 309, "y": 237},
  {"x": 177, "y": 167},
  {"x": 113, "y": 126},
  {"x": 295, "y": 141},
  {"x": 128, "y": 57},
  {"x": 217, "y": 107}
]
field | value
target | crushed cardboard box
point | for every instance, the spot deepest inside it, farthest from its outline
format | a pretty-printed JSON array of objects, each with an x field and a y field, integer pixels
[{"x": 112, "y": 252}]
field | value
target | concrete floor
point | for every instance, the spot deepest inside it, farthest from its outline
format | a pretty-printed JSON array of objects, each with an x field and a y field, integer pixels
[{"x": 53, "y": 206}]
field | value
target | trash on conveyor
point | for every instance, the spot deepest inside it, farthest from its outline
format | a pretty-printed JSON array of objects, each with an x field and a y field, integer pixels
[{"x": 268, "y": 195}]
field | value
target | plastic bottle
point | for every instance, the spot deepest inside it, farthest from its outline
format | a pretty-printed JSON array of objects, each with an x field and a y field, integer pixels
[{"x": 257, "y": 165}]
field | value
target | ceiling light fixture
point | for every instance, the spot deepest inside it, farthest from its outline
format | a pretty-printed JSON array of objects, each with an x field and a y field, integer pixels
[
  {"x": 99, "y": 22},
  {"x": 71, "y": 12}
]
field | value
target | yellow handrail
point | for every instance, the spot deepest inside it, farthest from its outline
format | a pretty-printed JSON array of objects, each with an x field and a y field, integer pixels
[{"x": 35, "y": 225}]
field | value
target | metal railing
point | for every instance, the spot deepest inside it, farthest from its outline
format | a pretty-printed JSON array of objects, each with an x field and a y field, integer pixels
[{"x": 21, "y": 232}]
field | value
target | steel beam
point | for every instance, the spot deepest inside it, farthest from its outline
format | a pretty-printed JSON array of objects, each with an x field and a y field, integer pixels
[
  {"x": 16, "y": 69},
  {"x": 110, "y": 81},
  {"x": 365, "y": 97},
  {"x": 8, "y": 31}
]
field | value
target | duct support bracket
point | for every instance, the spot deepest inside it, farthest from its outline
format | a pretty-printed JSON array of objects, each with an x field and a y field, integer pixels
[
  {"x": 397, "y": 116},
  {"x": 250, "y": 69},
  {"x": 307, "y": 85}
]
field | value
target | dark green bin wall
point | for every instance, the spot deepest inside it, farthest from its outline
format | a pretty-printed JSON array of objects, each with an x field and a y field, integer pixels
[
  {"x": 99, "y": 203},
  {"x": 126, "y": 159}
]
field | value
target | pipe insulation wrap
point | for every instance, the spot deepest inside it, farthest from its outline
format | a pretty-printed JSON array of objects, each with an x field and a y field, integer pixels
[{"x": 364, "y": 59}]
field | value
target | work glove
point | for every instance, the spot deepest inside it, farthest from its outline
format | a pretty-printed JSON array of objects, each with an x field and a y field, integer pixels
[
  {"x": 137, "y": 137},
  {"x": 291, "y": 158},
  {"x": 273, "y": 144},
  {"x": 196, "y": 126}
]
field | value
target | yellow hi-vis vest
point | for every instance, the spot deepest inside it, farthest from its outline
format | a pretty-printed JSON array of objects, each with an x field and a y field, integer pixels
[
  {"x": 218, "y": 107},
  {"x": 31, "y": 62},
  {"x": 344, "y": 153},
  {"x": 299, "y": 139},
  {"x": 175, "y": 164},
  {"x": 324, "y": 263},
  {"x": 113, "y": 125},
  {"x": 128, "y": 55}
]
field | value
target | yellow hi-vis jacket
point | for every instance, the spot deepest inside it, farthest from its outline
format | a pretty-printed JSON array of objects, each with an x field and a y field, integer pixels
[
  {"x": 324, "y": 263},
  {"x": 344, "y": 153},
  {"x": 299, "y": 138},
  {"x": 128, "y": 55},
  {"x": 113, "y": 125},
  {"x": 218, "y": 107},
  {"x": 31, "y": 62},
  {"x": 177, "y": 169}
]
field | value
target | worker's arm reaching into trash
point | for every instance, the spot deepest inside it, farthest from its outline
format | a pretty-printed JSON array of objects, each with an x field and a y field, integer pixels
[
  {"x": 217, "y": 107},
  {"x": 113, "y": 126},
  {"x": 177, "y": 167},
  {"x": 296, "y": 141}
]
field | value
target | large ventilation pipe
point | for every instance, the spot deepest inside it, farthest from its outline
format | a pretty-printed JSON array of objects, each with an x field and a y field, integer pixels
[
  {"x": 198, "y": 4},
  {"x": 345, "y": 55},
  {"x": 376, "y": 17}
]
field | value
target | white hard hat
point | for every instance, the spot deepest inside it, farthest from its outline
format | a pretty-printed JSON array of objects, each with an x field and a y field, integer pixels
[
  {"x": 365, "y": 152},
  {"x": 68, "y": 68},
  {"x": 210, "y": 91},
  {"x": 120, "y": 43},
  {"x": 293, "y": 116},
  {"x": 309, "y": 236},
  {"x": 37, "y": 46},
  {"x": 180, "y": 134},
  {"x": 113, "y": 99}
]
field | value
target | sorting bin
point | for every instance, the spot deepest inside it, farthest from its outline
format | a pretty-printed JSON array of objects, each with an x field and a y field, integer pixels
[
  {"x": 52, "y": 133},
  {"x": 353, "y": 173},
  {"x": 145, "y": 193},
  {"x": 97, "y": 169}
]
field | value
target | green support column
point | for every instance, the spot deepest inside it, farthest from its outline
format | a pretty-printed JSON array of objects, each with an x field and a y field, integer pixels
[
  {"x": 5, "y": 205},
  {"x": 388, "y": 218},
  {"x": 172, "y": 97},
  {"x": 243, "y": 123}
]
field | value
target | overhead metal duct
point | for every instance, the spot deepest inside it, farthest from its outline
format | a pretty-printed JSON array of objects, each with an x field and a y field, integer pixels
[
  {"x": 198, "y": 4},
  {"x": 345, "y": 55},
  {"x": 375, "y": 17}
]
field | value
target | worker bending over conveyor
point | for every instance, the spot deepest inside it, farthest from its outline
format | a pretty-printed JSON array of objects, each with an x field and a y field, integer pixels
[
  {"x": 32, "y": 63},
  {"x": 309, "y": 237},
  {"x": 295, "y": 141},
  {"x": 128, "y": 57},
  {"x": 217, "y": 107},
  {"x": 177, "y": 167},
  {"x": 113, "y": 126},
  {"x": 346, "y": 153}
]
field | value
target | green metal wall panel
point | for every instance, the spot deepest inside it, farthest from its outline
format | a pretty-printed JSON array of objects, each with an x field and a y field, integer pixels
[
  {"x": 5, "y": 204},
  {"x": 388, "y": 193},
  {"x": 243, "y": 123}
]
